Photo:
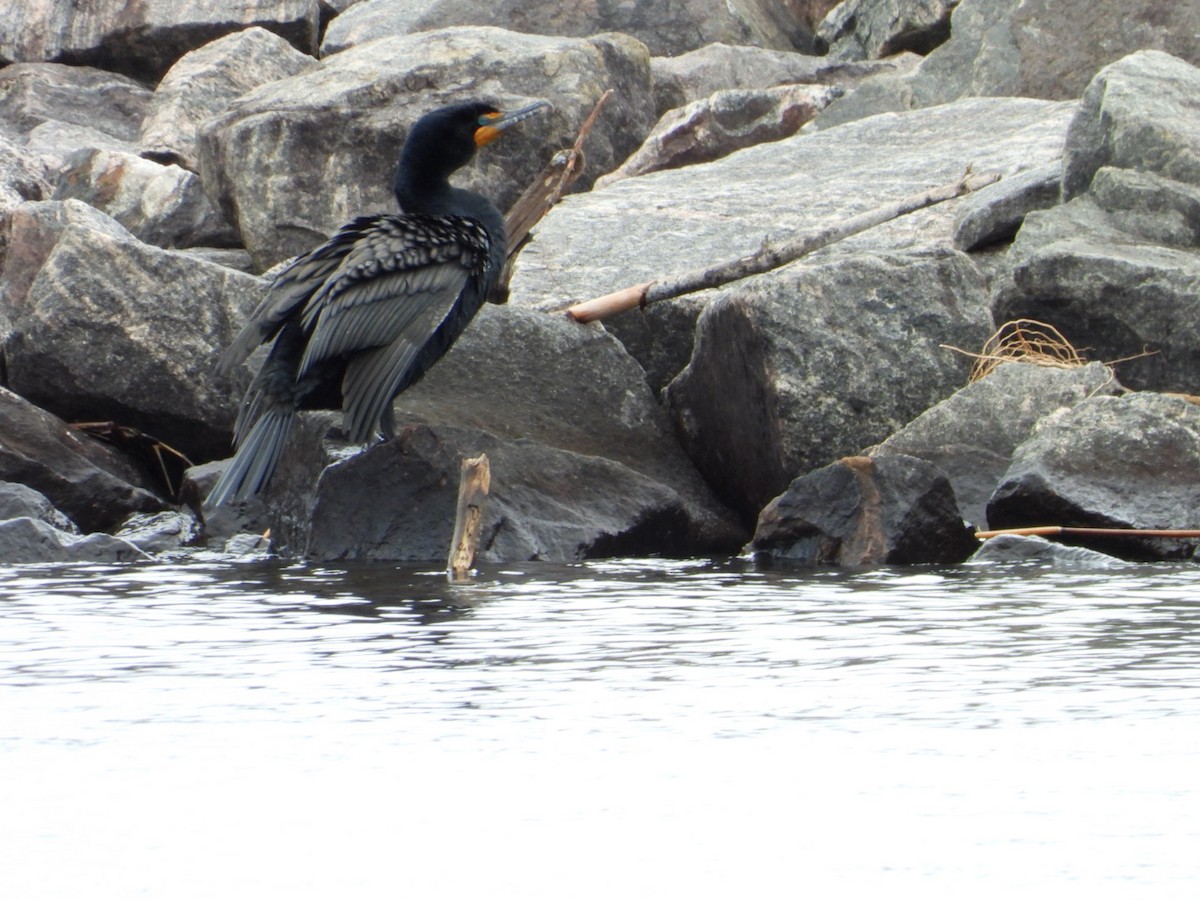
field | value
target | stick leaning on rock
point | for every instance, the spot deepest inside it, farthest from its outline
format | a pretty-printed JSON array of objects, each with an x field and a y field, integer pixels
[{"x": 772, "y": 256}]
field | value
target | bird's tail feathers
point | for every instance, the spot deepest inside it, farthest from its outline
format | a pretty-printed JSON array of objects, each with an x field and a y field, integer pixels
[{"x": 255, "y": 460}]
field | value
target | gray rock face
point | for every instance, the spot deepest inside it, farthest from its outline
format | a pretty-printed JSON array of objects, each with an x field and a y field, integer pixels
[
  {"x": 1117, "y": 268},
  {"x": 558, "y": 407},
  {"x": 161, "y": 205},
  {"x": 34, "y": 93},
  {"x": 894, "y": 510},
  {"x": 1012, "y": 548},
  {"x": 667, "y": 28},
  {"x": 159, "y": 533},
  {"x": 688, "y": 77},
  {"x": 87, "y": 480},
  {"x": 205, "y": 82},
  {"x": 665, "y": 223},
  {"x": 293, "y": 160},
  {"x": 858, "y": 29},
  {"x": 1143, "y": 113},
  {"x": 1110, "y": 291},
  {"x": 816, "y": 362},
  {"x": 23, "y": 176},
  {"x": 722, "y": 123},
  {"x": 1124, "y": 462},
  {"x": 971, "y": 435},
  {"x": 142, "y": 39},
  {"x": 28, "y": 540},
  {"x": 18, "y": 501},
  {"x": 995, "y": 213},
  {"x": 75, "y": 280},
  {"x": 1030, "y": 48}
]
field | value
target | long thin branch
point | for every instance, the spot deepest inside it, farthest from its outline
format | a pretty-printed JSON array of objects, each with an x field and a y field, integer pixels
[
  {"x": 771, "y": 256},
  {"x": 1082, "y": 531}
]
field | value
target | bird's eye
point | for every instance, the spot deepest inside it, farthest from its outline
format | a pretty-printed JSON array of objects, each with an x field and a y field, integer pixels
[{"x": 487, "y": 118}]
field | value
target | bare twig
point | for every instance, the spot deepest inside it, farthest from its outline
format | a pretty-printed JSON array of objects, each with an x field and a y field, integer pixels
[{"x": 772, "y": 256}]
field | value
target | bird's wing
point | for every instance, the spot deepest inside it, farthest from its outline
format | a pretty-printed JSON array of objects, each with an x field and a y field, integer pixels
[
  {"x": 292, "y": 288},
  {"x": 398, "y": 283}
]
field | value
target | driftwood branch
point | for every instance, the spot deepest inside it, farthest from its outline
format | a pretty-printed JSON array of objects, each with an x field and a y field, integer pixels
[
  {"x": 548, "y": 187},
  {"x": 1052, "y": 530},
  {"x": 475, "y": 481},
  {"x": 771, "y": 256}
]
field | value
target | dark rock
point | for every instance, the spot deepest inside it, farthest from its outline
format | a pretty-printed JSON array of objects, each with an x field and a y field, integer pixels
[
  {"x": 814, "y": 362},
  {"x": 159, "y": 533},
  {"x": 87, "y": 480},
  {"x": 204, "y": 82},
  {"x": 545, "y": 503},
  {"x": 1011, "y": 548},
  {"x": 894, "y": 510},
  {"x": 75, "y": 280},
  {"x": 161, "y": 205},
  {"x": 28, "y": 540},
  {"x": 971, "y": 435},
  {"x": 143, "y": 39},
  {"x": 1142, "y": 112},
  {"x": 228, "y": 520},
  {"x": 722, "y": 123},
  {"x": 34, "y": 93},
  {"x": 994, "y": 213},
  {"x": 1109, "y": 462},
  {"x": 337, "y": 130},
  {"x": 18, "y": 501},
  {"x": 666, "y": 28},
  {"x": 568, "y": 411},
  {"x": 869, "y": 29},
  {"x": 1029, "y": 48}
]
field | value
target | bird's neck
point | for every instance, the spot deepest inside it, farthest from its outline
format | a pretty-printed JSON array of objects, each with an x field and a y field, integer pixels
[{"x": 423, "y": 193}]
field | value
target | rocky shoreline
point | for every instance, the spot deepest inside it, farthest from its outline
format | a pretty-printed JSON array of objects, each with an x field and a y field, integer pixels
[{"x": 154, "y": 163}]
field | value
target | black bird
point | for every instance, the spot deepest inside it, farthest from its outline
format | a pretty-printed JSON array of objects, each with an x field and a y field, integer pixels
[{"x": 363, "y": 316}]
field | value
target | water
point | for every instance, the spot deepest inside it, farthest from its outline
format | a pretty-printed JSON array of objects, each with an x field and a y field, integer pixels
[{"x": 632, "y": 729}]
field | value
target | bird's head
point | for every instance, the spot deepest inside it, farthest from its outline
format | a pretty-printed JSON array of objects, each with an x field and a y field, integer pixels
[{"x": 448, "y": 137}]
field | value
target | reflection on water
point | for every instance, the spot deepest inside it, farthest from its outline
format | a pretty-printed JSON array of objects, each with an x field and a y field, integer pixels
[{"x": 645, "y": 728}]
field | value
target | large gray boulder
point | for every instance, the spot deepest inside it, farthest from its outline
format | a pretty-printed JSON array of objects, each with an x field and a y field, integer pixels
[
  {"x": 32, "y": 94},
  {"x": 104, "y": 327},
  {"x": 584, "y": 460},
  {"x": 294, "y": 159},
  {"x": 1109, "y": 462},
  {"x": 659, "y": 225},
  {"x": 1030, "y": 48},
  {"x": 86, "y": 479},
  {"x": 163, "y": 205},
  {"x": 868, "y": 29},
  {"x": 142, "y": 39},
  {"x": 688, "y": 77},
  {"x": 858, "y": 511},
  {"x": 814, "y": 362},
  {"x": 1142, "y": 112},
  {"x": 1030, "y": 549},
  {"x": 205, "y": 82},
  {"x": 1117, "y": 268},
  {"x": 972, "y": 434},
  {"x": 666, "y": 28},
  {"x": 18, "y": 501}
]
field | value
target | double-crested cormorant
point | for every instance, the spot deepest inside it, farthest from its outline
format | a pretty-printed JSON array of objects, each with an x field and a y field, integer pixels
[{"x": 363, "y": 316}]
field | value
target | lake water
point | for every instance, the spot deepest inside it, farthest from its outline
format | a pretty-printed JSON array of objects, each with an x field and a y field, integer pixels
[{"x": 622, "y": 729}]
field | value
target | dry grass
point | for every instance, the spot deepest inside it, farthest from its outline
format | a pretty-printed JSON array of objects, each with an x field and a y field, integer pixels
[{"x": 1023, "y": 340}]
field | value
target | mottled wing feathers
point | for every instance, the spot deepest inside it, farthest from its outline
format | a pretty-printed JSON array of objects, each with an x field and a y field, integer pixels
[{"x": 292, "y": 288}]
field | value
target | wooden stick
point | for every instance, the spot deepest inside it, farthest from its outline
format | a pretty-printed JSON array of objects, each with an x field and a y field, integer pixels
[
  {"x": 1047, "y": 530},
  {"x": 475, "y": 481},
  {"x": 550, "y": 184},
  {"x": 772, "y": 256}
]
